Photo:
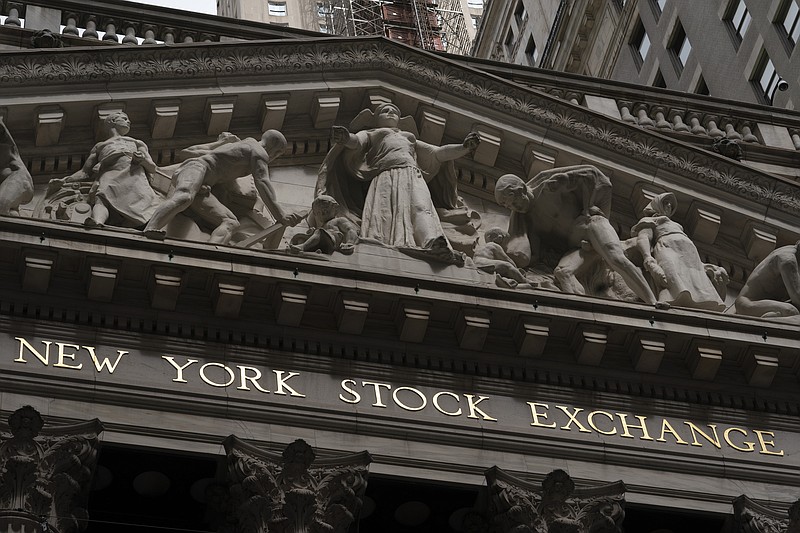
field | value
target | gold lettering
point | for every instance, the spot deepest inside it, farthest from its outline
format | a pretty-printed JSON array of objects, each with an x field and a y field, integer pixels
[
  {"x": 666, "y": 427},
  {"x": 64, "y": 355},
  {"x": 171, "y": 360},
  {"x": 572, "y": 418},
  {"x": 765, "y": 443},
  {"x": 439, "y": 407},
  {"x": 281, "y": 383},
  {"x": 106, "y": 362},
  {"x": 473, "y": 407},
  {"x": 244, "y": 378},
  {"x": 378, "y": 399},
  {"x": 535, "y": 414},
  {"x": 590, "y": 420},
  {"x": 696, "y": 430},
  {"x": 231, "y": 376},
  {"x": 727, "y": 436},
  {"x": 625, "y": 426},
  {"x": 404, "y": 406},
  {"x": 24, "y": 344},
  {"x": 356, "y": 396}
]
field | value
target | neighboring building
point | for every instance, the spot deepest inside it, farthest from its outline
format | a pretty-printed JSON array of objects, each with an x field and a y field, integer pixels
[
  {"x": 733, "y": 49},
  {"x": 443, "y": 25},
  {"x": 172, "y": 374}
]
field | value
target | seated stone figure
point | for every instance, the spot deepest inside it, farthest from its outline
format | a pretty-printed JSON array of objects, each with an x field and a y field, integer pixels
[
  {"x": 16, "y": 184},
  {"x": 566, "y": 210},
  {"x": 491, "y": 257},
  {"x": 329, "y": 230},
  {"x": 120, "y": 168},
  {"x": 773, "y": 289}
]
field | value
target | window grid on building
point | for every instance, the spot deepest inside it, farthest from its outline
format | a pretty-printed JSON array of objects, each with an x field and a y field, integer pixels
[
  {"x": 767, "y": 78},
  {"x": 276, "y": 9},
  {"x": 531, "y": 52},
  {"x": 790, "y": 20},
  {"x": 739, "y": 18},
  {"x": 680, "y": 46},
  {"x": 640, "y": 42}
]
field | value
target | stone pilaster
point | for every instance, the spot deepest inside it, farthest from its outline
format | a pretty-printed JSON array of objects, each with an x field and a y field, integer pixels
[
  {"x": 45, "y": 474},
  {"x": 752, "y": 517},
  {"x": 291, "y": 492}
]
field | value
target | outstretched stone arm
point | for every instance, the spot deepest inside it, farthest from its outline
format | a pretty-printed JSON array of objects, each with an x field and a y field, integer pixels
[
  {"x": 343, "y": 136},
  {"x": 267, "y": 193},
  {"x": 202, "y": 149},
  {"x": 450, "y": 152}
]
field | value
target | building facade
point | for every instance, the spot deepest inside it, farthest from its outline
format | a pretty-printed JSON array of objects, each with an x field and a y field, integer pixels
[
  {"x": 443, "y": 25},
  {"x": 465, "y": 362},
  {"x": 730, "y": 49}
]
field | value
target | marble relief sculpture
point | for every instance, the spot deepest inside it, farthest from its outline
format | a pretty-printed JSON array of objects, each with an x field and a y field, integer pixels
[
  {"x": 391, "y": 183},
  {"x": 221, "y": 163},
  {"x": 671, "y": 259},
  {"x": 773, "y": 288},
  {"x": 565, "y": 210},
  {"x": 16, "y": 184},
  {"x": 329, "y": 230},
  {"x": 491, "y": 257},
  {"x": 119, "y": 169}
]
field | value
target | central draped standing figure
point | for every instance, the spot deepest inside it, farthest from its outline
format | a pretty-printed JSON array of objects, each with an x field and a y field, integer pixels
[{"x": 391, "y": 183}]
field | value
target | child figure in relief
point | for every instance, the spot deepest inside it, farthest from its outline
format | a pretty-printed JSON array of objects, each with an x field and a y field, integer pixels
[
  {"x": 491, "y": 257},
  {"x": 329, "y": 231}
]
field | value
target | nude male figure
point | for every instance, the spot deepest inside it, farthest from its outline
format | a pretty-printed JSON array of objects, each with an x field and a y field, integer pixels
[
  {"x": 224, "y": 163},
  {"x": 16, "y": 183},
  {"x": 773, "y": 289},
  {"x": 566, "y": 209}
]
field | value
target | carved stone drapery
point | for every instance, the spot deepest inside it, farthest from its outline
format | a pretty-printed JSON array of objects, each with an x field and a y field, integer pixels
[
  {"x": 752, "y": 517},
  {"x": 555, "y": 507},
  {"x": 45, "y": 478},
  {"x": 285, "y": 493}
]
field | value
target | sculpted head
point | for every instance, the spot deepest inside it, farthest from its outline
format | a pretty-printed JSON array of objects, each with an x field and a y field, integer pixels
[
  {"x": 496, "y": 235},
  {"x": 274, "y": 143},
  {"x": 663, "y": 204},
  {"x": 512, "y": 193},
  {"x": 387, "y": 116},
  {"x": 25, "y": 422},
  {"x": 324, "y": 207},
  {"x": 117, "y": 121}
]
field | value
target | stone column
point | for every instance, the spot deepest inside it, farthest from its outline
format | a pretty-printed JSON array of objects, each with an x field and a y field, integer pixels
[
  {"x": 752, "y": 517},
  {"x": 45, "y": 474},
  {"x": 556, "y": 505},
  {"x": 291, "y": 492}
]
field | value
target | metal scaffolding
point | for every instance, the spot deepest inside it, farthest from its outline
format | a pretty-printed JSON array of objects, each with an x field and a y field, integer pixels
[{"x": 427, "y": 24}]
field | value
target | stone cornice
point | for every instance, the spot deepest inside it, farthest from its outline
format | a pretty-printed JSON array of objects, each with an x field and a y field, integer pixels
[{"x": 132, "y": 66}]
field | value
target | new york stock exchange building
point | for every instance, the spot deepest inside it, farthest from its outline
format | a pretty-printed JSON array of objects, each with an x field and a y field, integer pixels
[{"x": 258, "y": 280}]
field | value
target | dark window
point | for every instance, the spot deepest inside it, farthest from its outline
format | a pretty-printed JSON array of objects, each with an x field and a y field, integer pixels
[
  {"x": 680, "y": 47},
  {"x": 660, "y": 4},
  {"x": 789, "y": 19},
  {"x": 640, "y": 43},
  {"x": 659, "y": 80},
  {"x": 766, "y": 78},
  {"x": 519, "y": 14},
  {"x": 738, "y": 19},
  {"x": 531, "y": 53},
  {"x": 701, "y": 87}
]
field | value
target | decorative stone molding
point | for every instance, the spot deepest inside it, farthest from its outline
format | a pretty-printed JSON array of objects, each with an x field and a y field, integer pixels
[
  {"x": 703, "y": 222},
  {"x": 589, "y": 344},
  {"x": 472, "y": 328},
  {"x": 530, "y": 336},
  {"x": 351, "y": 309},
  {"x": 290, "y": 304},
  {"x": 218, "y": 114},
  {"x": 273, "y": 111},
  {"x": 704, "y": 359},
  {"x": 758, "y": 241},
  {"x": 760, "y": 366},
  {"x": 164, "y": 118},
  {"x": 537, "y": 158},
  {"x": 129, "y": 64},
  {"x": 432, "y": 123},
  {"x": 291, "y": 492},
  {"x": 164, "y": 286},
  {"x": 375, "y": 97},
  {"x": 45, "y": 473},
  {"x": 557, "y": 505},
  {"x": 49, "y": 125},
  {"x": 99, "y": 117},
  {"x": 487, "y": 151},
  {"x": 649, "y": 351},
  {"x": 324, "y": 109},
  {"x": 102, "y": 281},
  {"x": 37, "y": 270},
  {"x": 412, "y": 320},
  {"x": 752, "y": 517},
  {"x": 228, "y": 293}
]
